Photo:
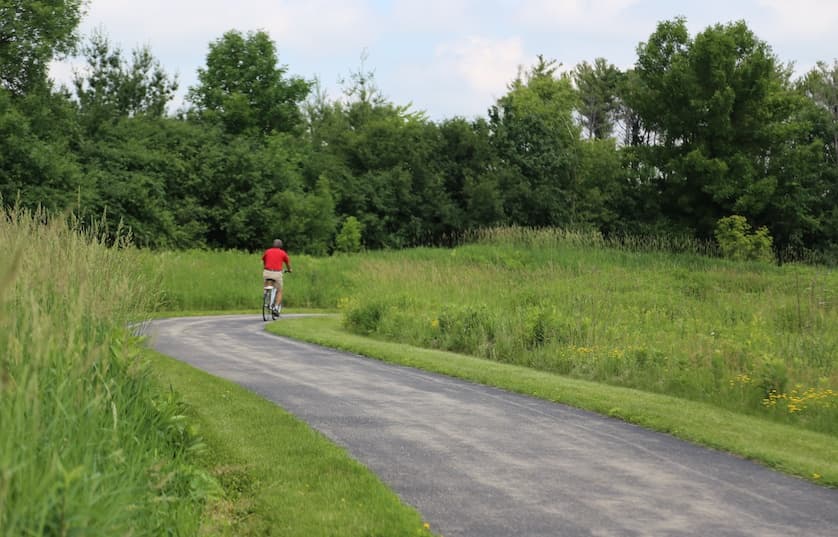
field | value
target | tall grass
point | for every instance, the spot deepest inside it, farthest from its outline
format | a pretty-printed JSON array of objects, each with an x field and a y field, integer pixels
[
  {"x": 87, "y": 446},
  {"x": 753, "y": 338},
  {"x": 659, "y": 315},
  {"x": 232, "y": 280},
  {"x": 554, "y": 237}
]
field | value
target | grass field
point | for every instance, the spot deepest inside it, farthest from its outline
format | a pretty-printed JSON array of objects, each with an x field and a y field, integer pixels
[
  {"x": 90, "y": 440},
  {"x": 279, "y": 476},
  {"x": 753, "y": 338},
  {"x": 94, "y": 441},
  {"x": 807, "y": 454},
  {"x": 198, "y": 280}
]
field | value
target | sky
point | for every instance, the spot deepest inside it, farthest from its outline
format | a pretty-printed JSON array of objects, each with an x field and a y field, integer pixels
[{"x": 445, "y": 57}]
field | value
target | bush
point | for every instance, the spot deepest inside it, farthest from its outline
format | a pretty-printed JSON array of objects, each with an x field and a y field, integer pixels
[
  {"x": 365, "y": 318},
  {"x": 349, "y": 238},
  {"x": 736, "y": 241}
]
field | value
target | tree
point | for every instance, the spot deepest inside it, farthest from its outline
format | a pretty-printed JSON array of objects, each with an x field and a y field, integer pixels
[
  {"x": 537, "y": 144},
  {"x": 634, "y": 132},
  {"x": 156, "y": 176},
  {"x": 465, "y": 159},
  {"x": 597, "y": 85},
  {"x": 736, "y": 240},
  {"x": 112, "y": 87},
  {"x": 348, "y": 239},
  {"x": 308, "y": 218},
  {"x": 602, "y": 186},
  {"x": 244, "y": 89},
  {"x": 710, "y": 102},
  {"x": 382, "y": 162},
  {"x": 33, "y": 32},
  {"x": 37, "y": 163},
  {"x": 821, "y": 85}
]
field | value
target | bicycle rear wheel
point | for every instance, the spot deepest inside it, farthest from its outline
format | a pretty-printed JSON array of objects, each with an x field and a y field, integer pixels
[{"x": 266, "y": 305}]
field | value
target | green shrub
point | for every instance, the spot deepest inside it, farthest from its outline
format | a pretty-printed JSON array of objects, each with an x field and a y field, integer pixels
[
  {"x": 348, "y": 239},
  {"x": 736, "y": 241},
  {"x": 365, "y": 318},
  {"x": 772, "y": 376},
  {"x": 467, "y": 328}
]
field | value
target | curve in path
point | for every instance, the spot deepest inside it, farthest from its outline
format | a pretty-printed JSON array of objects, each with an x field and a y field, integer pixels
[{"x": 479, "y": 461}]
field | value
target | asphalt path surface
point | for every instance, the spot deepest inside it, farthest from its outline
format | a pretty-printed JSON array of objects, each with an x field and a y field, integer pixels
[{"x": 479, "y": 461}]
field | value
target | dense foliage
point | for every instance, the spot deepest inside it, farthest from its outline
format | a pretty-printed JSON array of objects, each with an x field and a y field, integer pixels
[{"x": 702, "y": 128}]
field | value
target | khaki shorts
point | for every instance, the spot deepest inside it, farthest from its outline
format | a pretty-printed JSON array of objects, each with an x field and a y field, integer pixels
[{"x": 275, "y": 275}]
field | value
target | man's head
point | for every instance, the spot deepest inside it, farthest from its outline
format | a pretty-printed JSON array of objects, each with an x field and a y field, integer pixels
[{"x": 277, "y": 243}]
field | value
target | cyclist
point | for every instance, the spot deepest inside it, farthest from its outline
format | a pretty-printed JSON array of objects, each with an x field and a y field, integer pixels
[{"x": 272, "y": 261}]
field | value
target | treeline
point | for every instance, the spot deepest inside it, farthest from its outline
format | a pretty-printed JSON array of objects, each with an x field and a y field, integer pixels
[{"x": 701, "y": 128}]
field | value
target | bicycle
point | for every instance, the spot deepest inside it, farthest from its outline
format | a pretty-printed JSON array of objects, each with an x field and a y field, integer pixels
[{"x": 268, "y": 299}]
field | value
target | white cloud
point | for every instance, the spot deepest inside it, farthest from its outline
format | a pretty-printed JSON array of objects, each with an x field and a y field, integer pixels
[
  {"x": 464, "y": 77},
  {"x": 311, "y": 25},
  {"x": 435, "y": 15},
  {"x": 598, "y": 16},
  {"x": 61, "y": 72},
  {"x": 179, "y": 31},
  {"x": 486, "y": 65},
  {"x": 803, "y": 19},
  {"x": 448, "y": 56}
]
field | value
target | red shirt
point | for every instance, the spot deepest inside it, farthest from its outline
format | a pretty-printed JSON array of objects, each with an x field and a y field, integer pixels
[{"x": 273, "y": 259}]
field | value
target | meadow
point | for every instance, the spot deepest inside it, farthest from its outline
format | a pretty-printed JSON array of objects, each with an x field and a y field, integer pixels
[
  {"x": 101, "y": 436},
  {"x": 229, "y": 280},
  {"x": 754, "y": 338},
  {"x": 660, "y": 316},
  {"x": 93, "y": 437}
]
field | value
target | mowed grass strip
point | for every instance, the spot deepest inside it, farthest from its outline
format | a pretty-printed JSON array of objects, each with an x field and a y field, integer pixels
[
  {"x": 793, "y": 450},
  {"x": 280, "y": 476}
]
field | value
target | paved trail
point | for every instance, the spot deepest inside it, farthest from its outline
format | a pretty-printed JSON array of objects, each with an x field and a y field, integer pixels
[{"x": 477, "y": 461}]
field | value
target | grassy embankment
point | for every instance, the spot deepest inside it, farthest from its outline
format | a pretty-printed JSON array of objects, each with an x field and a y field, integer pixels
[
  {"x": 748, "y": 341},
  {"x": 87, "y": 443},
  {"x": 94, "y": 442},
  {"x": 807, "y": 454},
  {"x": 280, "y": 477},
  {"x": 752, "y": 338}
]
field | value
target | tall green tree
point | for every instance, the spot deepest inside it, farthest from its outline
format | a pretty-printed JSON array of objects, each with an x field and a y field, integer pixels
[
  {"x": 38, "y": 164},
  {"x": 598, "y": 86},
  {"x": 466, "y": 158},
  {"x": 112, "y": 87},
  {"x": 33, "y": 32},
  {"x": 537, "y": 144},
  {"x": 244, "y": 88},
  {"x": 712, "y": 103},
  {"x": 821, "y": 85},
  {"x": 382, "y": 162},
  {"x": 635, "y": 133}
]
